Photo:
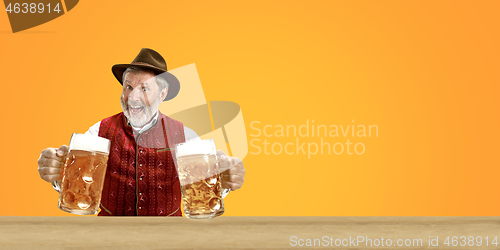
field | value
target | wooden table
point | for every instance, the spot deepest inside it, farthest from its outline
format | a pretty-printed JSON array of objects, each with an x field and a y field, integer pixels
[{"x": 239, "y": 232}]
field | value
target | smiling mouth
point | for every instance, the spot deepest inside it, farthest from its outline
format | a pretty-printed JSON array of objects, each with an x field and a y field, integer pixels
[{"x": 135, "y": 109}]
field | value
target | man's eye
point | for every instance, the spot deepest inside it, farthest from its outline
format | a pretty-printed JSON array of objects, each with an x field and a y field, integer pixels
[
  {"x": 144, "y": 89},
  {"x": 128, "y": 87}
]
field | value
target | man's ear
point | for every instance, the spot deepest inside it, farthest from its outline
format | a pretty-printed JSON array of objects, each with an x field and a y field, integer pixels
[{"x": 163, "y": 93}]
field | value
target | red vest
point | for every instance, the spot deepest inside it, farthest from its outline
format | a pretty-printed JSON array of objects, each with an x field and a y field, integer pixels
[{"x": 140, "y": 177}]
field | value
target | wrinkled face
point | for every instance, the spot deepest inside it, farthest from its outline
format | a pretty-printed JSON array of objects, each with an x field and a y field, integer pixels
[{"x": 140, "y": 97}]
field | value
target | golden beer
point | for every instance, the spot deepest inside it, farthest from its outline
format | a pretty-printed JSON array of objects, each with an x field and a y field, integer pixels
[
  {"x": 83, "y": 175},
  {"x": 200, "y": 177},
  {"x": 200, "y": 186}
]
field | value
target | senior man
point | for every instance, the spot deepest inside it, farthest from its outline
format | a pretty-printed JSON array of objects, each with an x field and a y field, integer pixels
[{"x": 140, "y": 177}]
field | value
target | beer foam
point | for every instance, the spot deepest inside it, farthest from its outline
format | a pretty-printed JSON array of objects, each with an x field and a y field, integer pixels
[
  {"x": 89, "y": 143},
  {"x": 201, "y": 147}
]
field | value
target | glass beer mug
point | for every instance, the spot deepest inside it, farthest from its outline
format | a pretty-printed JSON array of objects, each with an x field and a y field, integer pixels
[
  {"x": 200, "y": 177},
  {"x": 83, "y": 174}
]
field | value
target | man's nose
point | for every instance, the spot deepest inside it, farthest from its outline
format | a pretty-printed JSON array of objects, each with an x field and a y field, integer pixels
[{"x": 135, "y": 95}]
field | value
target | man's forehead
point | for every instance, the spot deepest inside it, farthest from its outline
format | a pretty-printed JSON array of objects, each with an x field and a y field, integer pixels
[{"x": 139, "y": 77}]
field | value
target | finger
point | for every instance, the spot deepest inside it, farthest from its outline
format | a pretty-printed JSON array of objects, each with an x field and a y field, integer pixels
[
  {"x": 231, "y": 185},
  {"x": 49, "y": 171},
  {"x": 225, "y": 163},
  {"x": 237, "y": 169},
  {"x": 51, "y": 178},
  {"x": 50, "y": 153},
  {"x": 233, "y": 178},
  {"x": 238, "y": 162},
  {"x": 220, "y": 153},
  {"x": 235, "y": 186},
  {"x": 225, "y": 185},
  {"x": 62, "y": 151},
  {"x": 52, "y": 163}
]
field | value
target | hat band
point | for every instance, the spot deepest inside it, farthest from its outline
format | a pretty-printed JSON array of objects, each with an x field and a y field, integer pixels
[{"x": 145, "y": 64}]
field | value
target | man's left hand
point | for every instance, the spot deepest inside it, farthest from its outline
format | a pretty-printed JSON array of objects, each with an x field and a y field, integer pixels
[{"x": 234, "y": 176}]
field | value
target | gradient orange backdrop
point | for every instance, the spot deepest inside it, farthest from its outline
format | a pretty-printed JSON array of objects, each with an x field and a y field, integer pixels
[{"x": 425, "y": 72}]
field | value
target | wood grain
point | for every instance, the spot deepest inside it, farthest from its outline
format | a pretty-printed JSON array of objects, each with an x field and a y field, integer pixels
[{"x": 233, "y": 232}]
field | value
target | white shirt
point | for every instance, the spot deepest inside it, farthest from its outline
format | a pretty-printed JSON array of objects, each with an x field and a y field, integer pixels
[{"x": 189, "y": 134}]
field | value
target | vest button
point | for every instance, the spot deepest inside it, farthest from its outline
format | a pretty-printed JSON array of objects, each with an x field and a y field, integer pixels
[
  {"x": 140, "y": 151},
  {"x": 140, "y": 193},
  {"x": 140, "y": 165},
  {"x": 140, "y": 208},
  {"x": 140, "y": 179}
]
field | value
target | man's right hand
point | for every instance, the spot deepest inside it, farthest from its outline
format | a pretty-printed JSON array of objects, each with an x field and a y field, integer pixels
[{"x": 51, "y": 162}]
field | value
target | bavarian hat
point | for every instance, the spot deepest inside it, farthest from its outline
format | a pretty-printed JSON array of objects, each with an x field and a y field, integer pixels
[{"x": 152, "y": 60}]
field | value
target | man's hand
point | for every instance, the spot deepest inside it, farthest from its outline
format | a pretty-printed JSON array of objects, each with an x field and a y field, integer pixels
[
  {"x": 234, "y": 176},
  {"x": 51, "y": 162}
]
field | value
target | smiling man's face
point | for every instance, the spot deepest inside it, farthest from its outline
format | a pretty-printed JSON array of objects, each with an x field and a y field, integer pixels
[{"x": 141, "y": 97}]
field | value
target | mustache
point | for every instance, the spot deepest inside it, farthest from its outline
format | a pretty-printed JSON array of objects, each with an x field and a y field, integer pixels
[{"x": 130, "y": 103}]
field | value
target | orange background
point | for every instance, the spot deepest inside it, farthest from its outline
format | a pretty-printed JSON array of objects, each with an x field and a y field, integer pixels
[{"x": 425, "y": 72}]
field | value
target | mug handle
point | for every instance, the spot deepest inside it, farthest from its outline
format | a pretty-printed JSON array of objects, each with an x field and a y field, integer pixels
[
  {"x": 225, "y": 191},
  {"x": 56, "y": 186}
]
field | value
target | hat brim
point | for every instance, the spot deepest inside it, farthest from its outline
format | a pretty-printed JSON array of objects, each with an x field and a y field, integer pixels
[{"x": 173, "y": 83}]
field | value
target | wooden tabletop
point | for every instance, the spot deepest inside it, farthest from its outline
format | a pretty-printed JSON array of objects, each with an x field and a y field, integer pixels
[{"x": 243, "y": 232}]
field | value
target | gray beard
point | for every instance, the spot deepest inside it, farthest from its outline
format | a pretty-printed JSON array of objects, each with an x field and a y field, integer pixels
[{"x": 143, "y": 119}]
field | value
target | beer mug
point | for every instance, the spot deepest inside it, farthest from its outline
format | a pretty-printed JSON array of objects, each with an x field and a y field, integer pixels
[
  {"x": 83, "y": 174},
  {"x": 200, "y": 177}
]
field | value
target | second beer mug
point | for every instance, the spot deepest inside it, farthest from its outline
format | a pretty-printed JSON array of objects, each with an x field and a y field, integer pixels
[
  {"x": 83, "y": 174},
  {"x": 200, "y": 178}
]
